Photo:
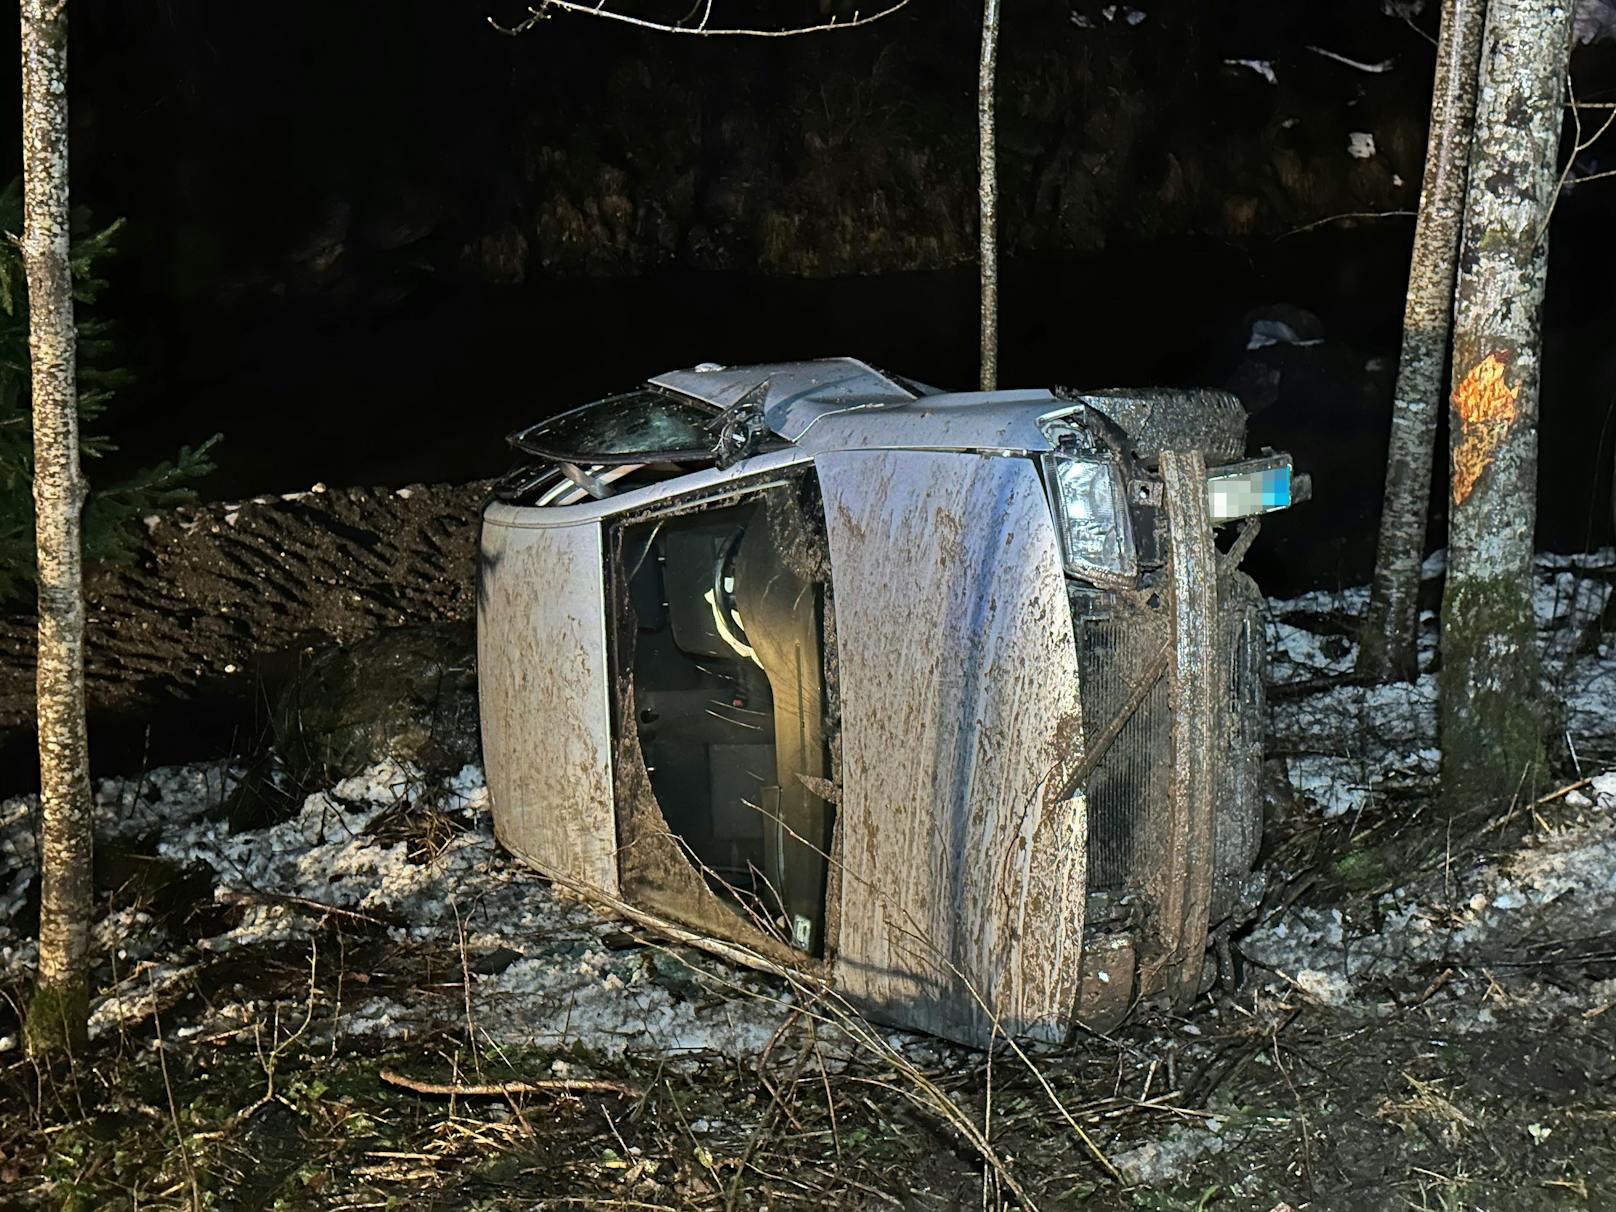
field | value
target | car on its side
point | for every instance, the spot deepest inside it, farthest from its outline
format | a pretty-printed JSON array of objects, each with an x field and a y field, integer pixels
[{"x": 950, "y": 700}]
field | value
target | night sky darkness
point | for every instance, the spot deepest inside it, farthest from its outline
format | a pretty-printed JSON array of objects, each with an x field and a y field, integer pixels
[{"x": 343, "y": 253}]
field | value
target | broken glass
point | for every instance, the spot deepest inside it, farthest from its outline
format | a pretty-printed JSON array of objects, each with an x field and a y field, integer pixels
[{"x": 634, "y": 427}]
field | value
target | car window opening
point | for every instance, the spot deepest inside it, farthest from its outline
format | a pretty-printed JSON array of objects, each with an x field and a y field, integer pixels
[{"x": 725, "y": 653}]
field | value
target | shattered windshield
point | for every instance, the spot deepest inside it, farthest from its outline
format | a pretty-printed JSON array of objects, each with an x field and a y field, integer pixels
[{"x": 623, "y": 428}]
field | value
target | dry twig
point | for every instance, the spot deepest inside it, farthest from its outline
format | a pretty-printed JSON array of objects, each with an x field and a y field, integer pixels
[
  {"x": 703, "y": 28},
  {"x": 542, "y": 1085},
  {"x": 250, "y": 896}
]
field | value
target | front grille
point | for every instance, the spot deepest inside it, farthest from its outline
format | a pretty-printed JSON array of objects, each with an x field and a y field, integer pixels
[{"x": 1129, "y": 792}]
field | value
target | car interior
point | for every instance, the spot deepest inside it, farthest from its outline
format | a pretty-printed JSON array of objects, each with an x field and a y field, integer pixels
[{"x": 727, "y": 665}]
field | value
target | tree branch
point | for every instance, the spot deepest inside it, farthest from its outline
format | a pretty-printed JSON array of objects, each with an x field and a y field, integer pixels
[
  {"x": 502, "y": 1089},
  {"x": 703, "y": 28}
]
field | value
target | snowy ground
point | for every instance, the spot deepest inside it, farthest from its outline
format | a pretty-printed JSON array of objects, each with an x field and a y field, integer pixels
[
  {"x": 543, "y": 972},
  {"x": 1507, "y": 934},
  {"x": 1361, "y": 752},
  {"x": 1346, "y": 747}
]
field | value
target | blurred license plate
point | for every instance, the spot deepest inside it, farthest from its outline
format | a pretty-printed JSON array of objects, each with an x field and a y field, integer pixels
[{"x": 1241, "y": 490}]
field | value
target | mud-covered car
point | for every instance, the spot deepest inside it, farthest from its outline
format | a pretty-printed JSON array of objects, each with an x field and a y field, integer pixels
[{"x": 953, "y": 700}]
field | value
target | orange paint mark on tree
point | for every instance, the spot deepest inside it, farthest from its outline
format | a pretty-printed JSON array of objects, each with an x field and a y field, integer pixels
[{"x": 1486, "y": 407}]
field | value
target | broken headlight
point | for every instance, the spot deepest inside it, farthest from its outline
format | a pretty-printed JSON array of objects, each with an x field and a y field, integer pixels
[{"x": 1091, "y": 516}]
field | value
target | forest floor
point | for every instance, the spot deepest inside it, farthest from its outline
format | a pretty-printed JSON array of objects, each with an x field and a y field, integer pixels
[{"x": 1427, "y": 1016}]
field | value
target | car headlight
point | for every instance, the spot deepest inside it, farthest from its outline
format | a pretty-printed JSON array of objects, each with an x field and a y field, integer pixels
[{"x": 1091, "y": 515}]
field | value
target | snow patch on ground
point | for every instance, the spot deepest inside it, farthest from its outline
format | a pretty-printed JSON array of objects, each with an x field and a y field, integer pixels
[
  {"x": 560, "y": 986},
  {"x": 125, "y": 809},
  {"x": 1348, "y": 747},
  {"x": 1361, "y": 145},
  {"x": 1353, "y": 749},
  {"x": 1486, "y": 913},
  {"x": 564, "y": 979},
  {"x": 1159, "y": 1161},
  {"x": 1263, "y": 67}
]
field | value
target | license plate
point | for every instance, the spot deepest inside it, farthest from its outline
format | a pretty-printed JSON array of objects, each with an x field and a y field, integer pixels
[{"x": 1243, "y": 490}]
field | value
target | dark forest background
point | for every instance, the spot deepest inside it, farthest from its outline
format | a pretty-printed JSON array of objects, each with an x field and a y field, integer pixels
[{"x": 364, "y": 241}]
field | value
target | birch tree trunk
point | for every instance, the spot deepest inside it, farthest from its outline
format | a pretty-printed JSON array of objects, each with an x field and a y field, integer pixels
[
  {"x": 58, "y": 1012},
  {"x": 1390, "y": 632},
  {"x": 1491, "y": 730},
  {"x": 988, "y": 192}
]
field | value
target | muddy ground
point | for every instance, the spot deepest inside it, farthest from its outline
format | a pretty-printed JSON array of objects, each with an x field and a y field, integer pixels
[{"x": 1422, "y": 1017}]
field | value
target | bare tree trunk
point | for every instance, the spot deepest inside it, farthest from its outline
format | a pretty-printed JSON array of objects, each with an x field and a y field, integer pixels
[
  {"x": 1491, "y": 731},
  {"x": 58, "y": 1012},
  {"x": 988, "y": 193},
  {"x": 1391, "y": 628}
]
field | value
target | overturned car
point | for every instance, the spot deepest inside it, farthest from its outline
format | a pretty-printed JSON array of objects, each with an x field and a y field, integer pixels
[{"x": 952, "y": 700}]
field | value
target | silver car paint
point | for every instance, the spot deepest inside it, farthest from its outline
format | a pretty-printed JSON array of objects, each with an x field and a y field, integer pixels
[
  {"x": 962, "y": 865},
  {"x": 844, "y": 404},
  {"x": 546, "y": 716},
  {"x": 963, "y": 874},
  {"x": 794, "y": 395},
  {"x": 960, "y": 689}
]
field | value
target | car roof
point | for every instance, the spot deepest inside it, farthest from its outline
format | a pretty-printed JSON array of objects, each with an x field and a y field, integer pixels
[
  {"x": 793, "y": 394},
  {"x": 843, "y": 403}
]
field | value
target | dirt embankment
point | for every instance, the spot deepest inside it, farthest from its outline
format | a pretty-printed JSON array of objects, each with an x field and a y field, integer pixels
[{"x": 219, "y": 590}]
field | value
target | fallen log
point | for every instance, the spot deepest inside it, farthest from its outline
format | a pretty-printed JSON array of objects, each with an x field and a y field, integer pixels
[{"x": 216, "y": 587}]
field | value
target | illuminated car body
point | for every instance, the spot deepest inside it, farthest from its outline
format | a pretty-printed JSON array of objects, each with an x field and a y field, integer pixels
[{"x": 950, "y": 701}]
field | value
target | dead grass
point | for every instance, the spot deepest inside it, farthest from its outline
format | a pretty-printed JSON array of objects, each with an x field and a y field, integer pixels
[
  {"x": 426, "y": 831},
  {"x": 1401, "y": 1108},
  {"x": 1425, "y": 1105},
  {"x": 1299, "y": 1095}
]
